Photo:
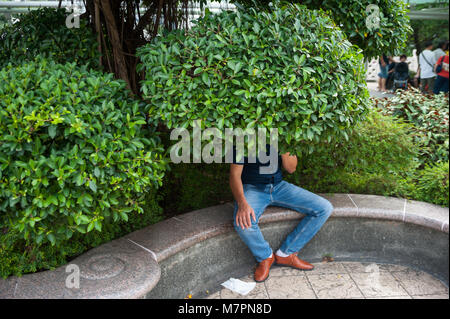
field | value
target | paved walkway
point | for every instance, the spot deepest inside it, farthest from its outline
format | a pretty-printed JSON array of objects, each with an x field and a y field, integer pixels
[
  {"x": 372, "y": 86},
  {"x": 333, "y": 280}
]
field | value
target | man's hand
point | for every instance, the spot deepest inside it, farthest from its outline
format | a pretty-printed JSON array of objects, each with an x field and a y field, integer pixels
[
  {"x": 244, "y": 214},
  {"x": 289, "y": 162},
  {"x": 245, "y": 211}
]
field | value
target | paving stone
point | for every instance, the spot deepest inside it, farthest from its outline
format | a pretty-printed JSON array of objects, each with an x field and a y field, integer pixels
[
  {"x": 215, "y": 295},
  {"x": 378, "y": 284},
  {"x": 334, "y": 286},
  {"x": 357, "y": 267},
  {"x": 289, "y": 287},
  {"x": 391, "y": 297},
  {"x": 259, "y": 292},
  {"x": 278, "y": 271},
  {"x": 323, "y": 268},
  {"x": 445, "y": 296},
  {"x": 364, "y": 280},
  {"x": 420, "y": 283}
]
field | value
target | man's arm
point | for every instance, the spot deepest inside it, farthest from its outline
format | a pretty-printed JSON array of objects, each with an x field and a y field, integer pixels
[
  {"x": 289, "y": 162},
  {"x": 245, "y": 211}
]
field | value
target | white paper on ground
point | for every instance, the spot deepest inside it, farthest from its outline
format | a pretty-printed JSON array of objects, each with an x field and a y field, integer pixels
[{"x": 239, "y": 286}]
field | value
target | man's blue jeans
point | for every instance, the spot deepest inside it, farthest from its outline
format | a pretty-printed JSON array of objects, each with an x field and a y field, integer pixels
[{"x": 316, "y": 208}]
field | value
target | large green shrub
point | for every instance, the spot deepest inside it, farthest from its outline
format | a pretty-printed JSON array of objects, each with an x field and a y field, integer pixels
[
  {"x": 355, "y": 18},
  {"x": 188, "y": 187},
  {"x": 44, "y": 31},
  {"x": 17, "y": 258},
  {"x": 432, "y": 184},
  {"x": 429, "y": 114},
  {"x": 290, "y": 69},
  {"x": 75, "y": 152},
  {"x": 378, "y": 155}
]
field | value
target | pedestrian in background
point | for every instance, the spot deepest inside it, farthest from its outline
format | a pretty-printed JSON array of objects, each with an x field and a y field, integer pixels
[
  {"x": 441, "y": 69},
  {"x": 427, "y": 60},
  {"x": 441, "y": 49},
  {"x": 383, "y": 75}
]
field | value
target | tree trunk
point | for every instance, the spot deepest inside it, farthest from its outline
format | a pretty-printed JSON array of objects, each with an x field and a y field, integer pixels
[{"x": 125, "y": 33}]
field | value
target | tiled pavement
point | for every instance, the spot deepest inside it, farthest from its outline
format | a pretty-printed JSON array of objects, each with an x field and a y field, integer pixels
[
  {"x": 372, "y": 86},
  {"x": 335, "y": 280}
]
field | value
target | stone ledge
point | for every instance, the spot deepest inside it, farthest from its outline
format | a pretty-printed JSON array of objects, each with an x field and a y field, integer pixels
[
  {"x": 118, "y": 269},
  {"x": 128, "y": 267}
]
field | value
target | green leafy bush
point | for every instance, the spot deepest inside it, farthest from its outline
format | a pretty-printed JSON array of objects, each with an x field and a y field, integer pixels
[
  {"x": 75, "y": 152},
  {"x": 432, "y": 184},
  {"x": 17, "y": 258},
  {"x": 429, "y": 114},
  {"x": 378, "y": 155},
  {"x": 389, "y": 37},
  {"x": 194, "y": 186},
  {"x": 290, "y": 69},
  {"x": 44, "y": 31},
  {"x": 353, "y": 17}
]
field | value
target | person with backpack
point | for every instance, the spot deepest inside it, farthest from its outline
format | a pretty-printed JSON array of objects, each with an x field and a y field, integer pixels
[
  {"x": 427, "y": 60},
  {"x": 442, "y": 71}
]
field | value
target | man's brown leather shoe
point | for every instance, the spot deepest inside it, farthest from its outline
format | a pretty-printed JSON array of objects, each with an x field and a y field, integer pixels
[
  {"x": 262, "y": 270},
  {"x": 293, "y": 261}
]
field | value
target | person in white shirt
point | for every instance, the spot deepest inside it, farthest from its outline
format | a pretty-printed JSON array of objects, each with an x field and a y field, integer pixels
[
  {"x": 440, "y": 51},
  {"x": 427, "y": 60}
]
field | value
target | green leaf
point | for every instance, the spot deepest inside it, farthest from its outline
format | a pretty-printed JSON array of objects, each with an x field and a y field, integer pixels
[
  {"x": 52, "y": 131},
  {"x": 93, "y": 186}
]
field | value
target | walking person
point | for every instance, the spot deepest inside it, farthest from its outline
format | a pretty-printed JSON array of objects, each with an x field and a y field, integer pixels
[{"x": 427, "y": 60}]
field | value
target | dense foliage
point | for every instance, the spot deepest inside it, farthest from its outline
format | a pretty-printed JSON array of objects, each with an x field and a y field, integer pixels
[
  {"x": 44, "y": 32},
  {"x": 75, "y": 152},
  {"x": 194, "y": 186},
  {"x": 426, "y": 30},
  {"x": 433, "y": 184},
  {"x": 17, "y": 257},
  {"x": 290, "y": 69},
  {"x": 376, "y": 157},
  {"x": 380, "y": 158},
  {"x": 430, "y": 116},
  {"x": 355, "y": 18}
]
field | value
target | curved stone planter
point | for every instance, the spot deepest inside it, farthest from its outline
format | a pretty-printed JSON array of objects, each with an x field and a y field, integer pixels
[{"x": 194, "y": 251}]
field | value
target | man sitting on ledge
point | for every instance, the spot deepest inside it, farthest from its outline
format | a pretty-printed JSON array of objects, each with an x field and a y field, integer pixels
[{"x": 253, "y": 192}]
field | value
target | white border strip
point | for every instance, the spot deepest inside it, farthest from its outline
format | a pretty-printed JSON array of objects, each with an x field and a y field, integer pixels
[
  {"x": 146, "y": 249},
  {"x": 357, "y": 209},
  {"x": 404, "y": 211}
]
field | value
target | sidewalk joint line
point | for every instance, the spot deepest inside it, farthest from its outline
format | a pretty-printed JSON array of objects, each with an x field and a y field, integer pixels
[
  {"x": 404, "y": 210},
  {"x": 146, "y": 249},
  {"x": 357, "y": 209},
  {"x": 180, "y": 220}
]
